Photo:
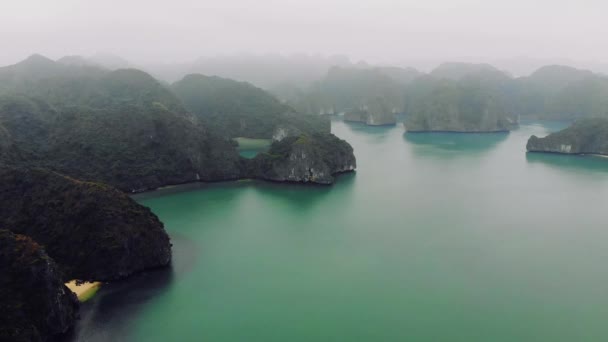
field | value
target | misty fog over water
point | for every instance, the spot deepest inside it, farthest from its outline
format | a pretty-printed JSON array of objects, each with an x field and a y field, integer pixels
[
  {"x": 291, "y": 170},
  {"x": 518, "y": 36}
]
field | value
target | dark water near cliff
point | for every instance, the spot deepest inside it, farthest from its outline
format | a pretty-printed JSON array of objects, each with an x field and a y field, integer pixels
[{"x": 437, "y": 237}]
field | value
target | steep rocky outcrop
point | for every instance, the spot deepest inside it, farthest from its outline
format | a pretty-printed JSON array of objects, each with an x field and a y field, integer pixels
[
  {"x": 371, "y": 118},
  {"x": 473, "y": 104},
  {"x": 358, "y": 115},
  {"x": 92, "y": 231},
  {"x": 35, "y": 305},
  {"x": 345, "y": 90},
  {"x": 557, "y": 92},
  {"x": 585, "y": 136},
  {"x": 375, "y": 113},
  {"x": 315, "y": 158}
]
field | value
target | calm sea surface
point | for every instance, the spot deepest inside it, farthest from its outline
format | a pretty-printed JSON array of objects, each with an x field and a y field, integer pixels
[{"x": 436, "y": 237}]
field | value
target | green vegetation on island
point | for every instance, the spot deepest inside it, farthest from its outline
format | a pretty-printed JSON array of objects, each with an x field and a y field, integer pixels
[
  {"x": 357, "y": 92},
  {"x": 121, "y": 128},
  {"x": 125, "y": 129},
  {"x": 35, "y": 305},
  {"x": 69, "y": 128},
  {"x": 92, "y": 231},
  {"x": 561, "y": 93},
  {"x": 585, "y": 136},
  {"x": 459, "y": 97},
  {"x": 471, "y": 104},
  {"x": 315, "y": 158}
]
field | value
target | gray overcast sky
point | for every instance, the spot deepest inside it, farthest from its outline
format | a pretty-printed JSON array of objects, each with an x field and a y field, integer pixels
[{"x": 374, "y": 30}]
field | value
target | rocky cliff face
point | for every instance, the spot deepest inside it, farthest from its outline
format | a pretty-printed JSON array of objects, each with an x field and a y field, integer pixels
[
  {"x": 384, "y": 118},
  {"x": 312, "y": 158},
  {"x": 93, "y": 231},
  {"x": 469, "y": 105},
  {"x": 348, "y": 89},
  {"x": 376, "y": 112},
  {"x": 586, "y": 136},
  {"x": 371, "y": 118},
  {"x": 450, "y": 121},
  {"x": 35, "y": 305},
  {"x": 356, "y": 116}
]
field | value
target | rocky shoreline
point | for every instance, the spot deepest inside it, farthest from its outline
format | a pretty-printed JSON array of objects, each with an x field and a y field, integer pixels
[{"x": 584, "y": 137}]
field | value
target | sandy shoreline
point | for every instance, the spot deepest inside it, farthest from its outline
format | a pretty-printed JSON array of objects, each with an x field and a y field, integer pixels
[{"x": 84, "y": 291}]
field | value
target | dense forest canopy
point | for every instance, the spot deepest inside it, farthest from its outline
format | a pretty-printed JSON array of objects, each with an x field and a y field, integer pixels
[
  {"x": 585, "y": 136},
  {"x": 120, "y": 127},
  {"x": 116, "y": 236},
  {"x": 34, "y": 302}
]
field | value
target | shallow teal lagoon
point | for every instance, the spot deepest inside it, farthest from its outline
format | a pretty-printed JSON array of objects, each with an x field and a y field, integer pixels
[{"x": 436, "y": 237}]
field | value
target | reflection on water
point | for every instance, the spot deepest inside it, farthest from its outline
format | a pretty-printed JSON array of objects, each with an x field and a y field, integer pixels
[
  {"x": 569, "y": 162},
  {"x": 107, "y": 316},
  {"x": 361, "y": 127},
  {"x": 372, "y": 134},
  {"x": 190, "y": 187},
  {"x": 469, "y": 142},
  {"x": 303, "y": 197}
]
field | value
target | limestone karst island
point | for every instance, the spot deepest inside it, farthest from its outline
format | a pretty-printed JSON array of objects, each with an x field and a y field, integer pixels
[{"x": 270, "y": 171}]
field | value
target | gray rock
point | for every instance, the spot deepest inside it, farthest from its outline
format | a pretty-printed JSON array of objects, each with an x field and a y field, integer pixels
[
  {"x": 586, "y": 136},
  {"x": 306, "y": 158},
  {"x": 375, "y": 113}
]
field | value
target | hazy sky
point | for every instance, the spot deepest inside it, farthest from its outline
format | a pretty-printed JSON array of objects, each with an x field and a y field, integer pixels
[{"x": 374, "y": 30}]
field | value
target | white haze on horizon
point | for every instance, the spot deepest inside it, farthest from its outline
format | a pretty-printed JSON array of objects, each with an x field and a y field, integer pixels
[{"x": 398, "y": 32}]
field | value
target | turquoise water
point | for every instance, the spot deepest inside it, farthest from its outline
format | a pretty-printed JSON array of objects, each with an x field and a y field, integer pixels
[
  {"x": 436, "y": 237},
  {"x": 250, "y": 153},
  {"x": 249, "y": 148}
]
